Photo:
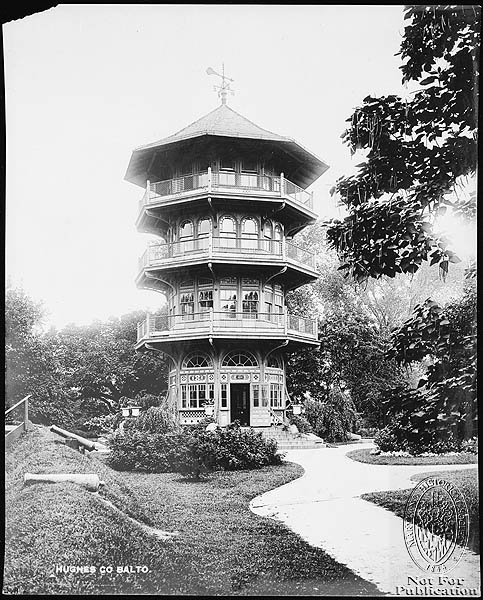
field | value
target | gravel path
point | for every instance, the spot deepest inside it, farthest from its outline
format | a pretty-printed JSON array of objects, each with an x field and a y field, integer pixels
[{"x": 324, "y": 507}]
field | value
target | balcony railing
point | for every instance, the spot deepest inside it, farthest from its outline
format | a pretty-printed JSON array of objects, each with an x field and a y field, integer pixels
[
  {"x": 212, "y": 247},
  {"x": 212, "y": 322},
  {"x": 225, "y": 181}
]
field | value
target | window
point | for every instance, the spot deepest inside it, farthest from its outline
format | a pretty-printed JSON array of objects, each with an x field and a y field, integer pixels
[
  {"x": 227, "y": 173},
  {"x": 228, "y": 301},
  {"x": 224, "y": 395},
  {"x": 237, "y": 358},
  {"x": 197, "y": 395},
  {"x": 205, "y": 295},
  {"x": 256, "y": 395},
  {"x": 275, "y": 395},
  {"x": 250, "y": 298},
  {"x": 248, "y": 177},
  {"x": 278, "y": 233},
  {"x": 228, "y": 232},
  {"x": 186, "y": 229},
  {"x": 249, "y": 233},
  {"x": 186, "y": 236},
  {"x": 278, "y": 298},
  {"x": 267, "y": 237},
  {"x": 273, "y": 361},
  {"x": 205, "y": 300},
  {"x": 194, "y": 361},
  {"x": 250, "y": 304},
  {"x": 204, "y": 230},
  {"x": 187, "y": 303}
]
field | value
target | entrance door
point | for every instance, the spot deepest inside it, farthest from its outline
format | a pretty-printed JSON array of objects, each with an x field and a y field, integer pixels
[{"x": 240, "y": 403}]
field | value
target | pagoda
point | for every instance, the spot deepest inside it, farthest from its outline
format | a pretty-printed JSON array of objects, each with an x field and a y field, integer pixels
[{"x": 224, "y": 199}]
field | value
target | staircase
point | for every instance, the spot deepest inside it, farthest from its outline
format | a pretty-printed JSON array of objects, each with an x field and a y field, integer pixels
[{"x": 286, "y": 440}]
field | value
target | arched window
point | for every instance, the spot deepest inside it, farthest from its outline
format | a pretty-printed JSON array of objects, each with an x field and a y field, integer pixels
[
  {"x": 278, "y": 233},
  {"x": 204, "y": 230},
  {"x": 196, "y": 361},
  {"x": 186, "y": 236},
  {"x": 228, "y": 232},
  {"x": 240, "y": 358},
  {"x": 274, "y": 361},
  {"x": 249, "y": 233},
  {"x": 267, "y": 237},
  {"x": 187, "y": 300},
  {"x": 186, "y": 229}
]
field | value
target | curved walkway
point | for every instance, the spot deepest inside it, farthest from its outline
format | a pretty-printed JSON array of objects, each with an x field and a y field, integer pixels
[{"x": 323, "y": 507}]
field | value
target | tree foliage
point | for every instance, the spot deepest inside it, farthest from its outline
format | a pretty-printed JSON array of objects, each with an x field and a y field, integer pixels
[
  {"x": 417, "y": 150},
  {"x": 80, "y": 372}
]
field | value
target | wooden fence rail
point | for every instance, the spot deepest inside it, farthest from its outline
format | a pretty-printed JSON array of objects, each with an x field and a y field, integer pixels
[{"x": 13, "y": 432}]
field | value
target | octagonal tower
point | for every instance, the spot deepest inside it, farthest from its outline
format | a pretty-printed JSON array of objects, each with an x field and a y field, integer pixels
[{"x": 225, "y": 198}]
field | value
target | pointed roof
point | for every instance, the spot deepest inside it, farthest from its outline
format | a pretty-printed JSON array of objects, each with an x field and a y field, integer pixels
[{"x": 222, "y": 121}]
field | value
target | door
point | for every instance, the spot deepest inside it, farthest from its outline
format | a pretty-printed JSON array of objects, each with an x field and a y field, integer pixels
[{"x": 240, "y": 403}]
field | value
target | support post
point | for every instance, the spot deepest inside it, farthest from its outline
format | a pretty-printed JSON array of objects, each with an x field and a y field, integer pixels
[
  {"x": 282, "y": 185},
  {"x": 209, "y": 180},
  {"x": 26, "y": 413},
  {"x": 148, "y": 191}
]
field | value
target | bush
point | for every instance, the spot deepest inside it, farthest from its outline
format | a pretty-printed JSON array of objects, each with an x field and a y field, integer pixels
[
  {"x": 303, "y": 425},
  {"x": 395, "y": 437},
  {"x": 386, "y": 440},
  {"x": 470, "y": 445},
  {"x": 192, "y": 451},
  {"x": 99, "y": 425},
  {"x": 133, "y": 450},
  {"x": 367, "y": 432},
  {"x": 333, "y": 417},
  {"x": 156, "y": 419}
]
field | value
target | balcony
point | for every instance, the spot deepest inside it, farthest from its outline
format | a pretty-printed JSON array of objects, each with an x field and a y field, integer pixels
[
  {"x": 226, "y": 249},
  {"x": 226, "y": 324},
  {"x": 225, "y": 183}
]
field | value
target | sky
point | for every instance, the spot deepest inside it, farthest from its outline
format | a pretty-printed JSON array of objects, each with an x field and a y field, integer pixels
[{"x": 86, "y": 84}]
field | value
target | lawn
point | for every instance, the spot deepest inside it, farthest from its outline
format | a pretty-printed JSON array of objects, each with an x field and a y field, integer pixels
[
  {"x": 222, "y": 548},
  {"x": 466, "y": 481},
  {"x": 365, "y": 456}
]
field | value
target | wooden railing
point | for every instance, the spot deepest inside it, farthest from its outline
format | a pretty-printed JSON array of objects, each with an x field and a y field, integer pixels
[
  {"x": 212, "y": 247},
  {"x": 211, "y": 322},
  {"x": 14, "y": 429},
  {"x": 224, "y": 181}
]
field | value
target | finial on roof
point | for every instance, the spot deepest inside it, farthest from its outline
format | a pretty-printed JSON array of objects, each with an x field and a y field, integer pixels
[{"x": 224, "y": 88}]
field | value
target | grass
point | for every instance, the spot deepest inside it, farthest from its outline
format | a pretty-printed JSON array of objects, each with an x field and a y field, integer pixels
[
  {"x": 364, "y": 456},
  {"x": 222, "y": 548},
  {"x": 466, "y": 481}
]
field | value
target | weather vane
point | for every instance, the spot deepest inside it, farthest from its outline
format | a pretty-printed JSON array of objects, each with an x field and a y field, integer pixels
[{"x": 224, "y": 88}]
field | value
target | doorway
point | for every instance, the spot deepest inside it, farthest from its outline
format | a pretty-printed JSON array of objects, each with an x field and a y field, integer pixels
[{"x": 240, "y": 403}]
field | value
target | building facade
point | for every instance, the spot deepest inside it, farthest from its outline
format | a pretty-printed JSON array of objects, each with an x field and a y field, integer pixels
[{"x": 225, "y": 197}]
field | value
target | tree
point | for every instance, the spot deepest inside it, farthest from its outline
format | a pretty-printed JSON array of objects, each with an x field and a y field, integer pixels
[
  {"x": 102, "y": 364},
  {"x": 442, "y": 411},
  {"x": 31, "y": 362},
  {"x": 417, "y": 150}
]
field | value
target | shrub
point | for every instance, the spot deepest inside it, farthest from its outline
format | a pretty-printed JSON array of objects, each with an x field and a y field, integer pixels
[
  {"x": 133, "y": 450},
  {"x": 303, "y": 425},
  {"x": 99, "y": 425},
  {"x": 156, "y": 419},
  {"x": 333, "y": 417},
  {"x": 367, "y": 432},
  {"x": 470, "y": 445},
  {"x": 395, "y": 437},
  {"x": 386, "y": 440},
  {"x": 192, "y": 451}
]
